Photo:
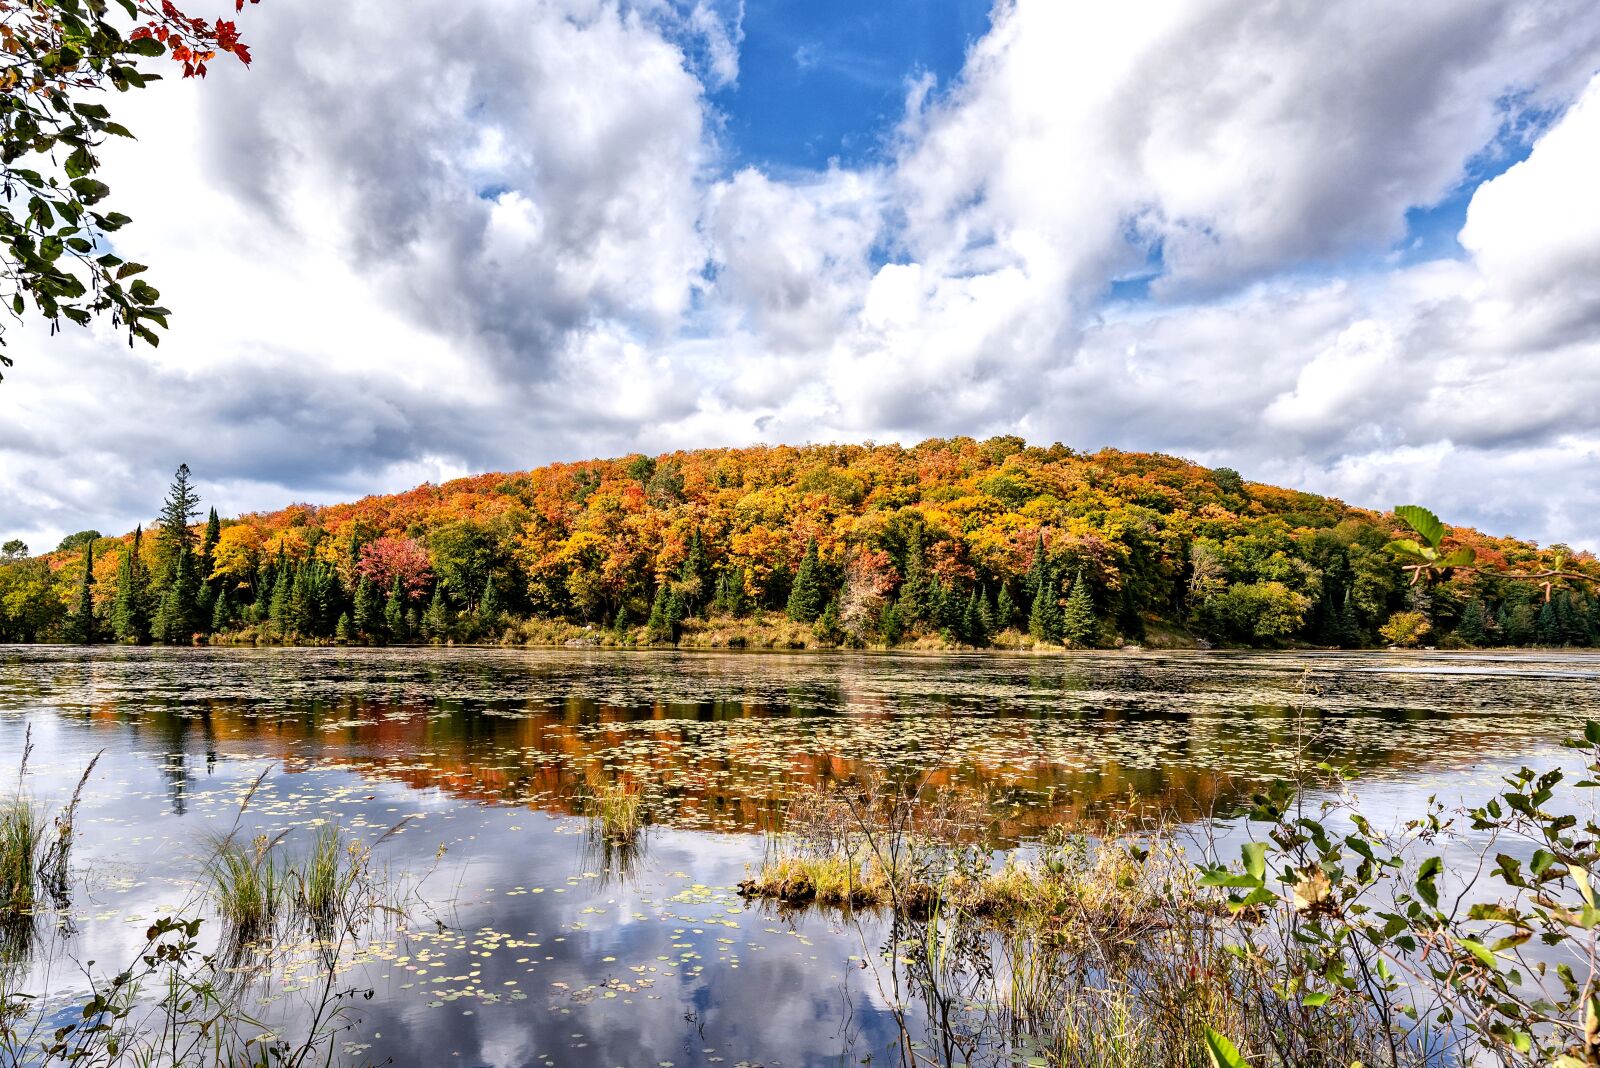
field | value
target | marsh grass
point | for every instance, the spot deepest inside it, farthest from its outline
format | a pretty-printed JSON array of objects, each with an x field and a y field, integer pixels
[
  {"x": 618, "y": 810},
  {"x": 1088, "y": 951},
  {"x": 249, "y": 883},
  {"x": 21, "y": 836}
]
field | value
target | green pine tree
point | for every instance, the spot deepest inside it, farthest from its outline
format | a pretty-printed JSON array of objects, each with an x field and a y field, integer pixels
[
  {"x": 177, "y": 512},
  {"x": 278, "y": 616},
  {"x": 1038, "y": 577},
  {"x": 695, "y": 573},
  {"x": 368, "y": 609},
  {"x": 436, "y": 620},
  {"x": 1473, "y": 626},
  {"x": 1044, "y": 620},
  {"x": 130, "y": 612},
  {"x": 341, "y": 630},
  {"x": 394, "y": 612},
  {"x": 221, "y": 612},
  {"x": 621, "y": 627},
  {"x": 891, "y": 627},
  {"x": 1078, "y": 623},
  {"x": 1547, "y": 630},
  {"x": 807, "y": 597},
  {"x": 1006, "y": 614},
  {"x": 973, "y": 629},
  {"x": 489, "y": 603},
  {"x": 208, "y": 547},
  {"x": 828, "y": 628},
  {"x": 176, "y": 621}
]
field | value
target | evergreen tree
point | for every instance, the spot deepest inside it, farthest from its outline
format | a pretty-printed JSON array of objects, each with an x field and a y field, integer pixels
[
  {"x": 807, "y": 597},
  {"x": 620, "y": 625},
  {"x": 341, "y": 630},
  {"x": 985, "y": 617},
  {"x": 436, "y": 620},
  {"x": 1570, "y": 620},
  {"x": 828, "y": 628},
  {"x": 1078, "y": 623},
  {"x": 1006, "y": 614},
  {"x": 368, "y": 610},
  {"x": 175, "y": 621},
  {"x": 730, "y": 592},
  {"x": 130, "y": 613},
  {"x": 413, "y": 621},
  {"x": 974, "y": 630},
  {"x": 1044, "y": 621},
  {"x": 1038, "y": 577},
  {"x": 1347, "y": 628},
  {"x": 208, "y": 547},
  {"x": 695, "y": 573},
  {"x": 890, "y": 624},
  {"x": 80, "y": 625},
  {"x": 221, "y": 612},
  {"x": 177, "y": 512},
  {"x": 919, "y": 593},
  {"x": 394, "y": 612},
  {"x": 278, "y": 617},
  {"x": 1547, "y": 630},
  {"x": 1473, "y": 628},
  {"x": 489, "y": 603}
]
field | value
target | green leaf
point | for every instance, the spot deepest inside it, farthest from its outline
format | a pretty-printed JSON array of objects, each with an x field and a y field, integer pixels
[
  {"x": 1462, "y": 557},
  {"x": 1424, "y": 522},
  {"x": 1223, "y": 1053},
  {"x": 1478, "y": 950},
  {"x": 1255, "y": 859},
  {"x": 1312, "y": 1001}
]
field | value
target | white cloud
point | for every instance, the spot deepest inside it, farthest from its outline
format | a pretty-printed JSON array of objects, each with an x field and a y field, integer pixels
[{"x": 514, "y": 238}]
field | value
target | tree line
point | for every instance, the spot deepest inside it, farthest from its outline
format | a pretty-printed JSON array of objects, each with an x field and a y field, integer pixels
[{"x": 956, "y": 543}]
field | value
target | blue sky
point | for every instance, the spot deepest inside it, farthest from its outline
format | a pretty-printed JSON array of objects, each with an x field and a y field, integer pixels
[
  {"x": 1351, "y": 248},
  {"x": 827, "y": 80}
]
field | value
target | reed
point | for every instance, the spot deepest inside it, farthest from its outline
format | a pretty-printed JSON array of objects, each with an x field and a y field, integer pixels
[
  {"x": 21, "y": 835},
  {"x": 618, "y": 809},
  {"x": 249, "y": 884}
]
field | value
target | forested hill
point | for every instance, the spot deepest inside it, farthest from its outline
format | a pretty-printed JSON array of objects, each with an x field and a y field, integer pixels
[{"x": 958, "y": 542}]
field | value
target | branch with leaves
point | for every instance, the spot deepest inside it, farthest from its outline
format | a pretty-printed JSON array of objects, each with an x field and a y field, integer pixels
[
  {"x": 1427, "y": 558},
  {"x": 56, "y": 58}
]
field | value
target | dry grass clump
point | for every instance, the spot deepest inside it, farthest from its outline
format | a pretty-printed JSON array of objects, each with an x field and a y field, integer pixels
[{"x": 618, "y": 810}]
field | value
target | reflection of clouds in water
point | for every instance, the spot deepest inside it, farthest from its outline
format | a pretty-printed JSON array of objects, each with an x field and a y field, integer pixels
[{"x": 366, "y": 737}]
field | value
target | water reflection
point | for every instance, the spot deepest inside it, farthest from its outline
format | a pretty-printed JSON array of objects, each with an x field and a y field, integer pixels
[{"x": 547, "y": 946}]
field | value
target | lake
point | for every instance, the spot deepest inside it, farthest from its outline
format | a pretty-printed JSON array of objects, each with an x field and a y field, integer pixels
[{"x": 526, "y": 942}]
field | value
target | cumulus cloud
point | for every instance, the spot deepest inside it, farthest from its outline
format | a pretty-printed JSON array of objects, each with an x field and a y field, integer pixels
[{"x": 515, "y": 237}]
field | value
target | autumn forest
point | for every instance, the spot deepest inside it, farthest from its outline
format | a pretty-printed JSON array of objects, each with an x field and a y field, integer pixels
[{"x": 949, "y": 544}]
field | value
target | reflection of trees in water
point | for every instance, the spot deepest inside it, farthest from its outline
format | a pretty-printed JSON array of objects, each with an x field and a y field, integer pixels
[{"x": 732, "y": 765}]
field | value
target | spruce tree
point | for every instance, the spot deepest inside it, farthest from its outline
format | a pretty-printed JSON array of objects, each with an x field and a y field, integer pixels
[
  {"x": 489, "y": 603},
  {"x": 394, "y": 612},
  {"x": 694, "y": 572},
  {"x": 1044, "y": 621},
  {"x": 620, "y": 626},
  {"x": 130, "y": 613},
  {"x": 436, "y": 620},
  {"x": 208, "y": 547},
  {"x": 1547, "y": 630},
  {"x": 891, "y": 626},
  {"x": 1006, "y": 614},
  {"x": 177, "y": 512},
  {"x": 1472, "y": 629},
  {"x": 1078, "y": 623},
  {"x": 1570, "y": 620},
  {"x": 80, "y": 626},
  {"x": 369, "y": 612},
  {"x": 278, "y": 617},
  {"x": 730, "y": 592},
  {"x": 341, "y": 630},
  {"x": 973, "y": 629},
  {"x": 221, "y": 612},
  {"x": 1038, "y": 576},
  {"x": 175, "y": 621},
  {"x": 828, "y": 627},
  {"x": 807, "y": 597}
]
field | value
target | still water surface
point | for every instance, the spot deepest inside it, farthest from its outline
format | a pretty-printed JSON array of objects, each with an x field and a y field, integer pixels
[{"x": 540, "y": 950}]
